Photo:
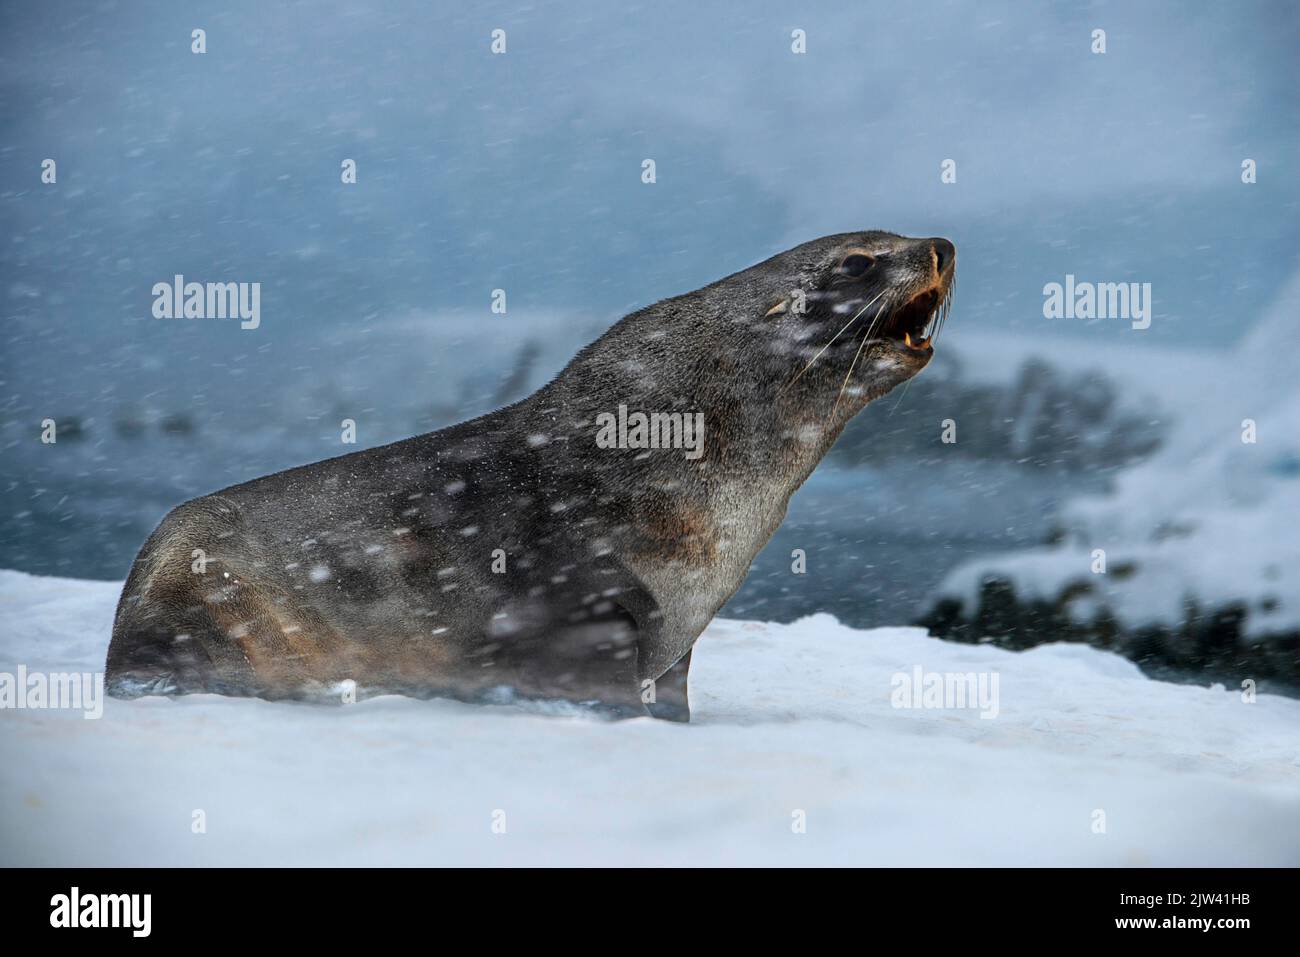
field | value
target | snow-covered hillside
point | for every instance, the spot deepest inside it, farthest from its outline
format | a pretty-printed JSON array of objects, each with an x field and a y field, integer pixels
[
  {"x": 1201, "y": 561},
  {"x": 788, "y": 719}
]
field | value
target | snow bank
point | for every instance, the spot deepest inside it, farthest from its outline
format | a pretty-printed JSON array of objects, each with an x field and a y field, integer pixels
[{"x": 788, "y": 718}]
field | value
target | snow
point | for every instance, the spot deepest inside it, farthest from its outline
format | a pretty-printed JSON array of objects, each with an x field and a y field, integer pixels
[{"x": 787, "y": 718}]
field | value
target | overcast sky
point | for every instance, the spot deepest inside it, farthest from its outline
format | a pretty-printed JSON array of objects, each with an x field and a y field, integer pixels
[{"x": 523, "y": 170}]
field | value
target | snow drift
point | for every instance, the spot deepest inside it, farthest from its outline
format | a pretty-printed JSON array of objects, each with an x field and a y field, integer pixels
[{"x": 792, "y": 722}]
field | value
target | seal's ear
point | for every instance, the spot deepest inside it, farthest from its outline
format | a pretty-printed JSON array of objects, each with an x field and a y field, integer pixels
[{"x": 796, "y": 300}]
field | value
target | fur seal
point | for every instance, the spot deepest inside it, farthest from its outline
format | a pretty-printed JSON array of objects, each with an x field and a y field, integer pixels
[{"x": 560, "y": 547}]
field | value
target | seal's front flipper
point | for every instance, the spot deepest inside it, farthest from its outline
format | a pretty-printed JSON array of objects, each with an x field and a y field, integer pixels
[
  {"x": 588, "y": 655},
  {"x": 671, "y": 701}
]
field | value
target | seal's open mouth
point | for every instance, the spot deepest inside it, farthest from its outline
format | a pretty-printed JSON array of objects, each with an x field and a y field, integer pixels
[{"x": 917, "y": 320}]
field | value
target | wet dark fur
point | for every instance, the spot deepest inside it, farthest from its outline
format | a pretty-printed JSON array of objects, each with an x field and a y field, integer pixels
[{"x": 376, "y": 567}]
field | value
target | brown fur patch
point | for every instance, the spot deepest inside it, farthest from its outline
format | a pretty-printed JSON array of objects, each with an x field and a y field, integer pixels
[{"x": 677, "y": 530}]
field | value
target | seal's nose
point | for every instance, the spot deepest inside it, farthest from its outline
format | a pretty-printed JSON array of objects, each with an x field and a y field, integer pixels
[{"x": 944, "y": 253}]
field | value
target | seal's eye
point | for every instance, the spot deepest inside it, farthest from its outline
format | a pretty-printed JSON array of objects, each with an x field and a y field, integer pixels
[{"x": 855, "y": 265}]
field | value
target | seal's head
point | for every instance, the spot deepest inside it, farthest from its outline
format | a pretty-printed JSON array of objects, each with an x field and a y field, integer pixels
[
  {"x": 862, "y": 311},
  {"x": 783, "y": 353}
]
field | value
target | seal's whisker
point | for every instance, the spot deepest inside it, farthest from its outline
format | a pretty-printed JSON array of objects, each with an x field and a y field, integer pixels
[
  {"x": 832, "y": 341},
  {"x": 901, "y": 397},
  {"x": 887, "y": 303},
  {"x": 844, "y": 385},
  {"x": 945, "y": 308}
]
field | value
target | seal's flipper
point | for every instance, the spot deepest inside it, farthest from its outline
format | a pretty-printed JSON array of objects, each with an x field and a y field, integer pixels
[
  {"x": 672, "y": 703},
  {"x": 587, "y": 655}
]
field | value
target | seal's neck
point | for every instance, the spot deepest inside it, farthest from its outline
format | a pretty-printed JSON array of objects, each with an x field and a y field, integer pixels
[{"x": 758, "y": 424}]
